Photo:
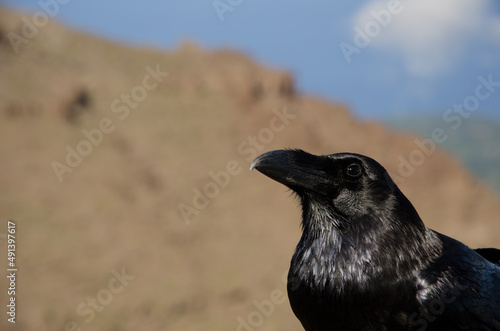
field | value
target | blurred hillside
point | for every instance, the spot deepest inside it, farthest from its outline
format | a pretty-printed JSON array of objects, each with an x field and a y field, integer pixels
[
  {"x": 476, "y": 142},
  {"x": 134, "y": 162}
]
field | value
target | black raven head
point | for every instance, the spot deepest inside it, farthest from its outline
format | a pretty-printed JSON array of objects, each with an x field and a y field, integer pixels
[
  {"x": 365, "y": 260},
  {"x": 361, "y": 237},
  {"x": 346, "y": 189}
]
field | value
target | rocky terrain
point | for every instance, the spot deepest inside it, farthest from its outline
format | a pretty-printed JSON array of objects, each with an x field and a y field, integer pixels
[{"x": 125, "y": 171}]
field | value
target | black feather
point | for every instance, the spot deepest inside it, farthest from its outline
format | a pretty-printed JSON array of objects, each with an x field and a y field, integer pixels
[
  {"x": 366, "y": 261},
  {"x": 490, "y": 254}
]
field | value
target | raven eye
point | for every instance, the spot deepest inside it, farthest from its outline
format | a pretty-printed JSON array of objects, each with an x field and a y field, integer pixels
[{"x": 354, "y": 170}]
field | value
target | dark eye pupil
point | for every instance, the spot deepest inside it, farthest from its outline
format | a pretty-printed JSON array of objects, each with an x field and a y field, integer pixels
[{"x": 354, "y": 170}]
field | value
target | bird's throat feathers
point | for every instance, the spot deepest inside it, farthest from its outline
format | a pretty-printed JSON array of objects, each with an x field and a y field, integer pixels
[{"x": 349, "y": 255}]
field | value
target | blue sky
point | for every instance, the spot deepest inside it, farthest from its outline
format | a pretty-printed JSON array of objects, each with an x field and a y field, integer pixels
[{"x": 382, "y": 58}]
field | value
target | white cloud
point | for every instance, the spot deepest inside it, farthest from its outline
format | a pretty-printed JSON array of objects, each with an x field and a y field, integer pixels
[
  {"x": 494, "y": 27},
  {"x": 430, "y": 35}
]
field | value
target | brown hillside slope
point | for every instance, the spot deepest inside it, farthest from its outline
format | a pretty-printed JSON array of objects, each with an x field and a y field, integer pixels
[{"x": 117, "y": 208}]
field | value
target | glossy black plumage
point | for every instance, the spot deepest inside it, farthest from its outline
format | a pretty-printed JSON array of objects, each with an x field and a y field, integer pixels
[{"x": 366, "y": 261}]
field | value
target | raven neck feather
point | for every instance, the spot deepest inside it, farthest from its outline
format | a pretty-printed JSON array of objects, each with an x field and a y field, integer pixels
[{"x": 350, "y": 255}]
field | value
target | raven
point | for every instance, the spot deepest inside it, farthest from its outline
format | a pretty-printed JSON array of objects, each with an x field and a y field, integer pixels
[{"x": 366, "y": 261}]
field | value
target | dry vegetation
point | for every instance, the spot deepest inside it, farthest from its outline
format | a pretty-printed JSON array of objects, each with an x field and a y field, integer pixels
[{"x": 119, "y": 208}]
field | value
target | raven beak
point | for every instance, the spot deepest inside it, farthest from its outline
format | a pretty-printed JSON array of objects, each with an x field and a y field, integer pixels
[{"x": 295, "y": 169}]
